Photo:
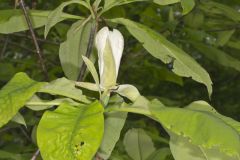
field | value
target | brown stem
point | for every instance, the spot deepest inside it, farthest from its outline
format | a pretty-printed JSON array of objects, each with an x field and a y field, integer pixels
[{"x": 30, "y": 26}]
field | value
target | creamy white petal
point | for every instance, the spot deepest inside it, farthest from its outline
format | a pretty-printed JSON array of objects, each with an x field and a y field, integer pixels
[
  {"x": 100, "y": 43},
  {"x": 117, "y": 44}
]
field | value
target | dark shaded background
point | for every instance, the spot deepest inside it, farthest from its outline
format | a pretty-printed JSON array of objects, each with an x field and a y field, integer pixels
[{"x": 149, "y": 75}]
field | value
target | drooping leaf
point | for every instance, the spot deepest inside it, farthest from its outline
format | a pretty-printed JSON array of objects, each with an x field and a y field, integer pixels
[
  {"x": 217, "y": 55},
  {"x": 15, "y": 94},
  {"x": 66, "y": 88},
  {"x": 74, "y": 47},
  {"x": 138, "y": 144},
  {"x": 200, "y": 128},
  {"x": 166, "y": 51},
  {"x": 114, "y": 122},
  {"x": 14, "y": 20},
  {"x": 55, "y": 16},
  {"x": 71, "y": 132}
]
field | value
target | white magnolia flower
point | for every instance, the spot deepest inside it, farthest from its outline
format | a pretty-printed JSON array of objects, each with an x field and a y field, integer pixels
[{"x": 110, "y": 46}]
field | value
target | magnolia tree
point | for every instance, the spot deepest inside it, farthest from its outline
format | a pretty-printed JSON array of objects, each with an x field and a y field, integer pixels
[{"x": 75, "y": 126}]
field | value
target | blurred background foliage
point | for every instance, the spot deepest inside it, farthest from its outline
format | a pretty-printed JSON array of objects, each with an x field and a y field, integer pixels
[{"x": 210, "y": 34}]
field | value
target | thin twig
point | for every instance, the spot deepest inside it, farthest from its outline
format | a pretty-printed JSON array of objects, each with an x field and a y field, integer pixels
[
  {"x": 30, "y": 26},
  {"x": 34, "y": 157},
  {"x": 38, "y": 39},
  {"x": 20, "y": 46},
  {"x": 89, "y": 50},
  {"x": 25, "y": 133},
  {"x": 4, "y": 47}
]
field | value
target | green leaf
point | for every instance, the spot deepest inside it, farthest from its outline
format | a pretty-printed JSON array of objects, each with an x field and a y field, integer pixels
[
  {"x": 182, "y": 149},
  {"x": 205, "y": 107},
  {"x": 165, "y": 2},
  {"x": 222, "y": 8},
  {"x": 94, "y": 73},
  {"x": 166, "y": 51},
  {"x": 113, "y": 3},
  {"x": 140, "y": 106},
  {"x": 234, "y": 44},
  {"x": 201, "y": 129},
  {"x": 56, "y": 15},
  {"x": 66, "y": 88},
  {"x": 114, "y": 122},
  {"x": 217, "y": 55},
  {"x": 37, "y": 104},
  {"x": 187, "y": 5},
  {"x": 71, "y": 132},
  {"x": 195, "y": 20},
  {"x": 74, "y": 47},
  {"x": 7, "y": 70},
  {"x": 15, "y": 94},
  {"x": 128, "y": 91},
  {"x": 93, "y": 70},
  {"x": 18, "y": 118},
  {"x": 160, "y": 154},
  {"x": 14, "y": 20},
  {"x": 10, "y": 156},
  {"x": 138, "y": 144},
  {"x": 216, "y": 135},
  {"x": 224, "y": 37},
  {"x": 88, "y": 86}
]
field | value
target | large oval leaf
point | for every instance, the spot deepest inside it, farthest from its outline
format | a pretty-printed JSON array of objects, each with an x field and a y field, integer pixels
[
  {"x": 14, "y": 20},
  {"x": 66, "y": 88},
  {"x": 56, "y": 15},
  {"x": 15, "y": 94},
  {"x": 200, "y": 128},
  {"x": 161, "y": 48},
  {"x": 205, "y": 107},
  {"x": 197, "y": 129},
  {"x": 181, "y": 149},
  {"x": 74, "y": 47},
  {"x": 71, "y": 132},
  {"x": 114, "y": 123},
  {"x": 138, "y": 144}
]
